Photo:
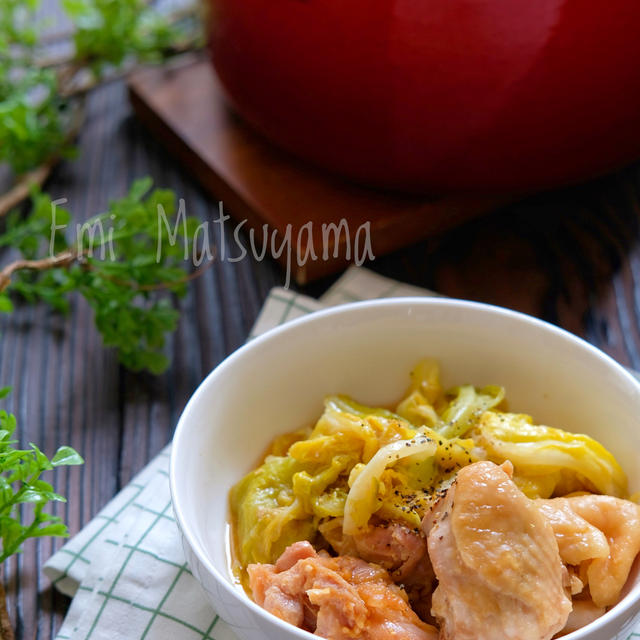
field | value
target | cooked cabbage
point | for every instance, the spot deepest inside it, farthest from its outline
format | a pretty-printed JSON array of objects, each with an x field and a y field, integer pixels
[
  {"x": 467, "y": 406},
  {"x": 268, "y": 516},
  {"x": 451, "y": 414},
  {"x": 283, "y": 500},
  {"x": 363, "y": 493},
  {"x": 359, "y": 462},
  {"x": 570, "y": 461}
]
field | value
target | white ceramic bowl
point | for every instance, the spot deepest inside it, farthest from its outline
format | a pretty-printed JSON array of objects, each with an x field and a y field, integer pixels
[{"x": 277, "y": 382}]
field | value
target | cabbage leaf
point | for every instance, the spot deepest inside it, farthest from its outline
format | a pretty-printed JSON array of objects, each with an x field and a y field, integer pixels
[{"x": 570, "y": 461}]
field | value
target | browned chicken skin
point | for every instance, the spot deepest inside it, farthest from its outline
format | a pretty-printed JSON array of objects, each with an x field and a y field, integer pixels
[
  {"x": 339, "y": 598},
  {"x": 497, "y": 561},
  {"x": 400, "y": 550},
  {"x": 393, "y": 546}
]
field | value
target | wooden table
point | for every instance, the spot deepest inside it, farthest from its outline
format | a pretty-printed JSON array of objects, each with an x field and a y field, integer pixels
[{"x": 570, "y": 257}]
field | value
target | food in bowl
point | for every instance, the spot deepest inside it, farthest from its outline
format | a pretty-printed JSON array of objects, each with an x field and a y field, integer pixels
[{"x": 448, "y": 515}]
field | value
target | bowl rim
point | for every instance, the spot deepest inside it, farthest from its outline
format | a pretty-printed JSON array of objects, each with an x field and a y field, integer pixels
[{"x": 619, "y": 610}]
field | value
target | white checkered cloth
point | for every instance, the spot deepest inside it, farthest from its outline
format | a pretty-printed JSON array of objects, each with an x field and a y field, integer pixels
[{"x": 126, "y": 570}]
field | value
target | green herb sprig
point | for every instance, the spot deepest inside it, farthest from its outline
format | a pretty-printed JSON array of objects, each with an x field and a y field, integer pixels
[
  {"x": 24, "y": 496},
  {"x": 21, "y": 484},
  {"x": 128, "y": 263},
  {"x": 107, "y": 32},
  {"x": 41, "y": 100},
  {"x": 32, "y": 122}
]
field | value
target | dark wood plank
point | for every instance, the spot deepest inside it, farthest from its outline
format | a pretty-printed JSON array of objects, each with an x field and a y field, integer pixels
[{"x": 568, "y": 256}]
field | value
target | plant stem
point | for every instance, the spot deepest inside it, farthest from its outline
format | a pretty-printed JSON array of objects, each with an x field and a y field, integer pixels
[
  {"x": 68, "y": 257},
  {"x": 63, "y": 259}
]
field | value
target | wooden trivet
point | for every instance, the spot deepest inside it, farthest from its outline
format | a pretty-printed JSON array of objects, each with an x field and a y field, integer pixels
[{"x": 183, "y": 105}]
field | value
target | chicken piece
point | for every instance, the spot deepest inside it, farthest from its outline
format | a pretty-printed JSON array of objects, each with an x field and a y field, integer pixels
[
  {"x": 600, "y": 520},
  {"x": 392, "y": 545},
  {"x": 273, "y": 595},
  {"x": 397, "y": 548},
  {"x": 337, "y": 598},
  {"x": 577, "y": 539},
  {"x": 403, "y": 552},
  {"x": 496, "y": 559},
  {"x": 388, "y": 619},
  {"x": 293, "y": 553},
  {"x": 276, "y": 596}
]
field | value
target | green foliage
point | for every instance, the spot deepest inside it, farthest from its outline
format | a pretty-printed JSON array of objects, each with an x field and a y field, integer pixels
[
  {"x": 23, "y": 495},
  {"x": 32, "y": 122},
  {"x": 129, "y": 283},
  {"x": 34, "y": 125},
  {"x": 26, "y": 233},
  {"x": 18, "y": 26},
  {"x": 34, "y": 129},
  {"x": 108, "y": 31}
]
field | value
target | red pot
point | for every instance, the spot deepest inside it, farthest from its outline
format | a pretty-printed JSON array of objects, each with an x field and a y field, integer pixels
[{"x": 438, "y": 94}]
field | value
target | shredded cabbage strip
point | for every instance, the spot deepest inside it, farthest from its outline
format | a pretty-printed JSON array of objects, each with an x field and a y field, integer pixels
[{"x": 364, "y": 490}]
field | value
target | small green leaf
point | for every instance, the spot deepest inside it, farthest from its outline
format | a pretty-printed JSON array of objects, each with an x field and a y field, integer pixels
[
  {"x": 34, "y": 495},
  {"x": 40, "y": 459},
  {"x": 59, "y": 530},
  {"x": 23, "y": 494},
  {"x": 66, "y": 456}
]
